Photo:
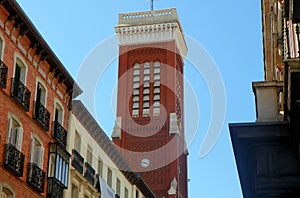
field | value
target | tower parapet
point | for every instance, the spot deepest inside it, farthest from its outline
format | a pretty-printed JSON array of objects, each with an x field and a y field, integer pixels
[{"x": 150, "y": 27}]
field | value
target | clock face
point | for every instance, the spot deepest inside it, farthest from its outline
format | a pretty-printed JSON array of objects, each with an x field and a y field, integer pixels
[{"x": 145, "y": 162}]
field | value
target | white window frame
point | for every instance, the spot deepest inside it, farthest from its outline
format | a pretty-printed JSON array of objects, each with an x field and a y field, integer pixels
[
  {"x": 19, "y": 132},
  {"x": 38, "y": 80},
  {"x": 19, "y": 59},
  {"x": 57, "y": 102},
  {"x": 36, "y": 152}
]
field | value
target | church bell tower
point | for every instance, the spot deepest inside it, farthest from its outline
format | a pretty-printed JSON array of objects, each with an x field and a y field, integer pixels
[{"x": 149, "y": 129}]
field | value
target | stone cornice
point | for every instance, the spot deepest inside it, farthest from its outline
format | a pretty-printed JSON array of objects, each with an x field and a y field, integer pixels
[{"x": 151, "y": 27}]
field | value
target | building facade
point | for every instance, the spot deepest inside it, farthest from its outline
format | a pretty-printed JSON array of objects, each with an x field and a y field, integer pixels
[
  {"x": 267, "y": 151},
  {"x": 35, "y": 96},
  {"x": 149, "y": 128},
  {"x": 96, "y": 165}
]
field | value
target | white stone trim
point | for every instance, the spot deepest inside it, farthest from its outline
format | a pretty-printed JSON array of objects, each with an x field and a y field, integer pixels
[
  {"x": 117, "y": 128},
  {"x": 151, "y": 27}
]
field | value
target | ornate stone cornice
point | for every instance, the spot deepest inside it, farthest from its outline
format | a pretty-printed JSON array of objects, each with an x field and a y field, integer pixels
[{"x": 151, "y": 27}]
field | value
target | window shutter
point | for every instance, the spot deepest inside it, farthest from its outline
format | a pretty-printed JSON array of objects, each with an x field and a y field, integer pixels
[
  {"x": 32, "y": 149},
  {"x": 19, "y": 131},
  {"x": 39, "y": 156},
  {"x": 9, "y": 131},
  {"x": 13, "y": 136}
]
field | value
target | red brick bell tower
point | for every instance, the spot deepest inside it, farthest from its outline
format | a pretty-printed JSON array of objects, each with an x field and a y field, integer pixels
[{"x": 149, "y": 126}]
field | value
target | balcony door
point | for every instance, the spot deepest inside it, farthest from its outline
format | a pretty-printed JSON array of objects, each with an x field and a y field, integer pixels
[{"x": 41, "y": 94}]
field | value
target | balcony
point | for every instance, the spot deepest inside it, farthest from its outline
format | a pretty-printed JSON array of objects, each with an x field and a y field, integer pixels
[
  {"x": 89, "y": 173},
  {"x": 3, "y": 74},
  {"x": 36, "y": 177},
  {"x": 55, "y": 189},
  {"x": 41, "y": 115},
  {"x": 20, "y": 93},
  {"x": 59, "y": 133},
  {"x": 77, "y": 161},
  {"x": 13, "y": 160}
]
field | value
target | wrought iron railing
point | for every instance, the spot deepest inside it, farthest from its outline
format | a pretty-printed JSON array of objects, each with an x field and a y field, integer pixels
[
  {"x": 89, "y": 173},
  {"x": 55, "y": 189},
  {"x": 77, "y": 161},
  {"x": 42, "y": 115},
  {"x": 3, "y": 74},
  {"x": 20, "y": 93},
  {"x": 59, "y": 133},
  {"x": 36, "y": 177},
  {"x": 13, "y": 160}
]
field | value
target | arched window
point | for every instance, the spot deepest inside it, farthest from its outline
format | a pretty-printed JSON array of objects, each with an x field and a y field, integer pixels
[
  {"x": 6, "y": 191},
  {"x": 36, "y": 152},
  {"x": 20, "y": 71},
  {"x": 15, "y": 133},
  {"x": 41, "y": 94},
  {"x": 59, "y": 113}
]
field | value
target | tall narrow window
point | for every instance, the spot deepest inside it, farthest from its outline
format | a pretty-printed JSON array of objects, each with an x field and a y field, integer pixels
[
  {"x": 146, "y": 91},
  {"x": 100, "y": 167},
  {"x": 20, "y": 71},
  {"x": 136, "y": 90},
  {"x": 126, "y": 193},
  {"x": 77, "y": 142},
  {"x": 137, "y": 194},
  {"x": 58, "y": 114},
  {"x": 156, "y": 89},
  {"x": 41, "y": 94},
  {"x": 15, "y": 133},
  {"x": 109, "y": 177},
  {"x": 36, "y": 152},
  {"x": 118, "y": 187},
  {"x": 41, "y": 114},
  {"x": 89, "y": 155},
  {"x": 74, "y": 191}
]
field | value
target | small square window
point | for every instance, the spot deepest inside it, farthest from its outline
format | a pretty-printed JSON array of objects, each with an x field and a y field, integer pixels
[
  {"x": 135, "y": 105},
  {"x": 157, "y": 70},
  {"x": 136, "y": 66},
  {"x": 136, "y": 85},
  {"x": 146, "y": 105},
  {"x": 135, "y": 113},
  {"x": 136, "y": 99},
  {"x": 136, "y": 92},
  {"x": 147, "y": 71},
  {"x": 146, "y": 78},
  {"x": 147, "y": 65},
  {"x": 156, "y": 83},
  {"x": 136, "y": 79},
  {"x": 136, "y": 72},
  {"x": 156, "y": 97},
  {"x": 145, "y": 112},
  {"x": 156, "y": 104},
  {"x": 146, "y": 91},
  {"x": 157, "y": 90},
  {"x": 157, "y": 77},
  {"x": 156, "y": 111},
  {"x": 157, "y": 64},
  {"x": 146, "y": 84},
  {"x": 146, "y": 98}
]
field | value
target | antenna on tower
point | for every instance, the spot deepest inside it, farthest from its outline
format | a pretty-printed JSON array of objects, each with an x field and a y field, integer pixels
[{"x": 151, "y": 2}]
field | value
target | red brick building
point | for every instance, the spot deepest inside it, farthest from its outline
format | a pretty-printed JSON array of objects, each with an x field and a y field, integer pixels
[
  {"x": 35, "y": 97},
  {"x": 149, "y": 126}
]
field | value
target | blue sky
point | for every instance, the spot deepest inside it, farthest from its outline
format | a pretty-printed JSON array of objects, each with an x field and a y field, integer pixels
[{"x": 230, "y": 31}]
